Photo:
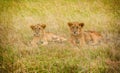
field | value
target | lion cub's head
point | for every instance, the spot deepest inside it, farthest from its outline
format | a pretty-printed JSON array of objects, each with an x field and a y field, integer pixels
[
  {"x": 38, "y": 29},
  {"x": 75, "y": 27}
]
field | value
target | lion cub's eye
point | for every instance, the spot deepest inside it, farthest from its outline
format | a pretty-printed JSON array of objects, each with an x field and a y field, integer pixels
[
  {"x": 73, "y": 27},
  {"x": 77, "y": 27},
  {"x": 39, "y": 28}
]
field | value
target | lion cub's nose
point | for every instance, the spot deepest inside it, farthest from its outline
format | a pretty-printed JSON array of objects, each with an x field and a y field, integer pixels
[{"x": 75, "y": 32}]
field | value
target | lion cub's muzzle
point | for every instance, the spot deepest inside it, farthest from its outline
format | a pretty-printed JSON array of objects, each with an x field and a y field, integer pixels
[
  {"x": 37, "y": 32},
  {"x": 75, "y": 33}
]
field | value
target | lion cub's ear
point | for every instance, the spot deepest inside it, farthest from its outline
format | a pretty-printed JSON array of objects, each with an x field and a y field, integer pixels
[
  {"x": 32, "y": 27},
  {"x": 70, "y": 24},
  {"x": 43, "y": 25},
  {"x": 81, "y": 24}
]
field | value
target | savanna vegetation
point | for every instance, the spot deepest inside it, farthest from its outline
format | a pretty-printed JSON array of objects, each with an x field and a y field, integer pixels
[{"x": 17, "y": 55}]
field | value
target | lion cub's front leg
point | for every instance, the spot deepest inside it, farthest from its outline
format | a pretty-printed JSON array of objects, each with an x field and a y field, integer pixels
[
  {"x": 35, "y": 41},
  {"x": 82, "y": 41},
  {"x": 44, "y": 41},
  {"x": 74, "y": 41}
]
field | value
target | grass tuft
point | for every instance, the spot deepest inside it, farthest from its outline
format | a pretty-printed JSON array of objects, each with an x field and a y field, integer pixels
[{"x": 17, "y": 56}]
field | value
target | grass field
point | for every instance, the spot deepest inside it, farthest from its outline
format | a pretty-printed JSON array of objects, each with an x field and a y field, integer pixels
[{"x": 17, "y": 56}]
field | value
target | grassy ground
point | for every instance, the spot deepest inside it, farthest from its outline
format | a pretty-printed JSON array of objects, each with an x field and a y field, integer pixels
[{"x": 16, "y": 56}]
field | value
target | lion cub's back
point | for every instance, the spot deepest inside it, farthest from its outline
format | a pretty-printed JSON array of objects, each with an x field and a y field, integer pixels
[
  {"x": 48, "y": 36},
  {"x": 54, "y": 37},
  {"x": 93, "y": 35}
]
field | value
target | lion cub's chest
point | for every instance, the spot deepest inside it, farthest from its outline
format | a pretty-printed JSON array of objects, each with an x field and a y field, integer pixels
[
  {"x": 84, "y": 37},
  {"x": 76, "y": 39}
]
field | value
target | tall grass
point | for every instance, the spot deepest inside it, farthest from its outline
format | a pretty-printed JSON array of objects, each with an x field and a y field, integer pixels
[{"x": 17, "y": 56}]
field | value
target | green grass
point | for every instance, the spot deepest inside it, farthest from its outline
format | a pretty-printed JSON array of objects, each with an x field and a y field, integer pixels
[{"x": 17, "y": 56}]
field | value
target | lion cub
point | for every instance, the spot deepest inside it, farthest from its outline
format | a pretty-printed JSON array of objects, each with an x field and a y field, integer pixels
[
  {"x": 43, "y": 37},
  {"x": 79, "y": 36}
]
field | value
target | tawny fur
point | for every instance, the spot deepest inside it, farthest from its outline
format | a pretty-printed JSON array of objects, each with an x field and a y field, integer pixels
[
  {"x": 79, "y": 36},
  {"x": 42, "y": 37}
]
